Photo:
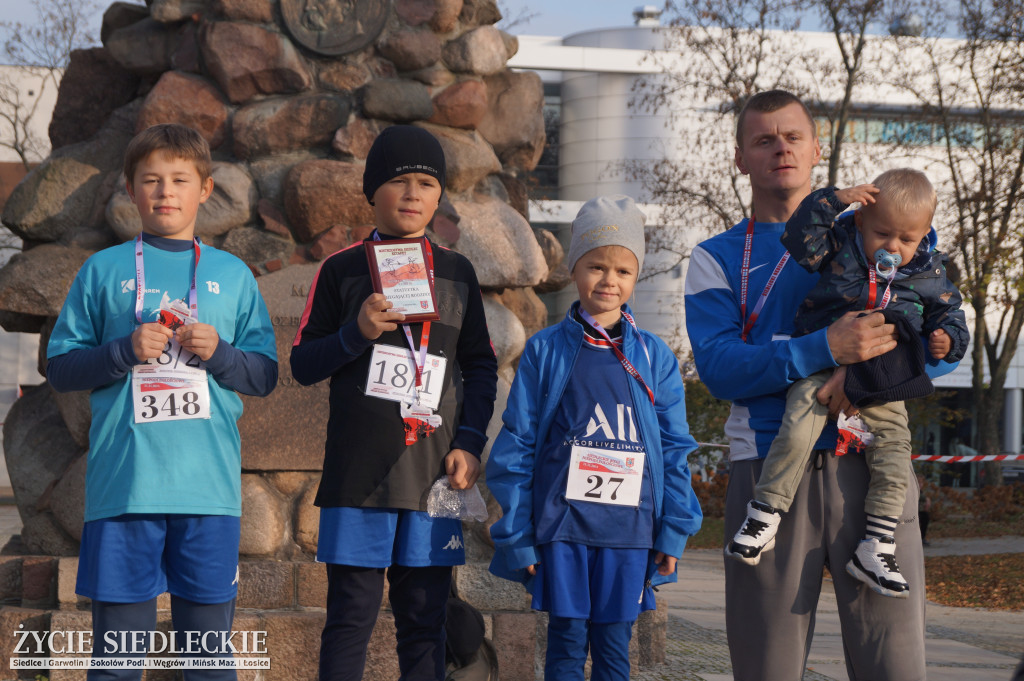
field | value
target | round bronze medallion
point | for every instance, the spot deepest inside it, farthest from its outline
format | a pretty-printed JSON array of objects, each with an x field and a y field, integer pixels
[{"x": 334, "y": 27}]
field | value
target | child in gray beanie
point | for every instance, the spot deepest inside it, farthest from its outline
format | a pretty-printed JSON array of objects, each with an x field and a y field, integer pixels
[
  {"x": 608, "y": 221},
  {"x": 590, "y": 467}
]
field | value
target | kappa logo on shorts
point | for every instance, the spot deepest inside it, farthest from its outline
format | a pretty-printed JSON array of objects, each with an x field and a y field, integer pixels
[
  {"x": 235, "y": 580},
  {"x": 455, "y": 543}
]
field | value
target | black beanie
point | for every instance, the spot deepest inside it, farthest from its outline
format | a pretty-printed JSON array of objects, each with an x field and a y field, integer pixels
[
  {"x": 398, "y": 150},
  {"x": 897, "y": 375}
]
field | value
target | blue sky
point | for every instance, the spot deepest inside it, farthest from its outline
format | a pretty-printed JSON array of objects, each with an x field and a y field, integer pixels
[{"x": 562, "y": 17}]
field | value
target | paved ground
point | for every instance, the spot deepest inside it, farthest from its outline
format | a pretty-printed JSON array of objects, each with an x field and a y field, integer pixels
[{"x": 963, "y": 644}]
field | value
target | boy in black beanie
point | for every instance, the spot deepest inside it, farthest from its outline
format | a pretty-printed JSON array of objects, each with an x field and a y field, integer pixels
[
  {"x": 880, "y": 257},
  {"x": 386, "y": 448}
]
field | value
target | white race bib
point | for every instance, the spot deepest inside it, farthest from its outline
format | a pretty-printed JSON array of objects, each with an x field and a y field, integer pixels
[
  {"x": 605, "y": 476},
  {"x": 171, "y": 387},
  {"x": 392, "y": 376}
]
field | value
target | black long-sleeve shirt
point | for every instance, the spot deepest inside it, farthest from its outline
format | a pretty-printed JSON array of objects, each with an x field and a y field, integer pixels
[{"x": 366, "y": 460}]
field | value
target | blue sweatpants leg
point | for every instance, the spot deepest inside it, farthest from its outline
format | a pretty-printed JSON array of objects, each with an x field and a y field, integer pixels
[
  {"x": 567, "y": 648},
  {"x": 188, "y": 615},
  {"x": 353, "y": 601},
  {"x": 128, "y": 626},
  {"x": 609, "y": 649},
  {"x": 419, "y": 600}
]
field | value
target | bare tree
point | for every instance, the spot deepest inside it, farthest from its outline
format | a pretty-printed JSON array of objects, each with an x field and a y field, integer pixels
[
  {"x": 511, "y": 20},
  {"x": 969, "y": 90},
  {"x": 714, "y": 54},
  {"x": 41, "y": 51},
  {"x": 730, "y": 51}
]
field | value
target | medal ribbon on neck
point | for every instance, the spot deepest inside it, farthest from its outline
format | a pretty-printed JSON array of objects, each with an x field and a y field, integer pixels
[
  {"x": 872, "y": 291},
  {"x": 748, "y": 247},
  {"x": 140, "y": 281},
  {"x": 626, "y": 364}
]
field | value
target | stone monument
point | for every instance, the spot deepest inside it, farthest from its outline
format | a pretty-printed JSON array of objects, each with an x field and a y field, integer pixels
[{"x": 290, "y": 94}]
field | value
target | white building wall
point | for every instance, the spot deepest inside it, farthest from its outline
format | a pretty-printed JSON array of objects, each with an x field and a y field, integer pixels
[{"x": 597, "y": 70}]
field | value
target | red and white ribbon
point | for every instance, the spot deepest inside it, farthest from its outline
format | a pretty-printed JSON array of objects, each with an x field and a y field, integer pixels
[{"x": 978, "y": 457}]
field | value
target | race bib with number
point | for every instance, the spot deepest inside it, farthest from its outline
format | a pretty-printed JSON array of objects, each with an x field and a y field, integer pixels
[
  {"x": 392, "y": 376},
  {"x": 605, "y": 476},
  {"x": 171, "y": 387}
]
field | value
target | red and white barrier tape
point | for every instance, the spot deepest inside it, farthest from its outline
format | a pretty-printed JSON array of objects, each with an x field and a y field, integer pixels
[
  {"x": 925, "y": 457},
  {"x": 960, "y": 459}
]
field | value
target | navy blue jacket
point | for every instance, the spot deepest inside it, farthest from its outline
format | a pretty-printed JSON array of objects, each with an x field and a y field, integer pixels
[{"x": 821, "y": 240}]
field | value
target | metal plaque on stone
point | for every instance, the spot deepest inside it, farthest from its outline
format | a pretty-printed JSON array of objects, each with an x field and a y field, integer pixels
[{"x": 335, "y": 27}]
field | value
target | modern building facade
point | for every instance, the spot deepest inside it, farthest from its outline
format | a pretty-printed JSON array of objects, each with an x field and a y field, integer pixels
[{"x": 589, "y": 81}]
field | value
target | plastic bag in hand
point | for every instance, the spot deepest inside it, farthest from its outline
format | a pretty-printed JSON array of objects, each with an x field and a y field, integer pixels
[{"x": 464, "y": 504}]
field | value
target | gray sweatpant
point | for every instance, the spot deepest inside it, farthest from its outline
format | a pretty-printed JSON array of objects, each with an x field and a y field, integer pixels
[{"x": 770, "y": 608}]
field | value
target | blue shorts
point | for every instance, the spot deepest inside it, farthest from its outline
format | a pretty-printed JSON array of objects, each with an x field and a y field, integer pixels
[
  {"x": 133, "y": 558},
  {"x": 381, "y": 537},
  {"x": 599, "y": 584}
]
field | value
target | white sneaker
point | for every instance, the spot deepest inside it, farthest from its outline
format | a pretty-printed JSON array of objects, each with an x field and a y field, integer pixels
[
  {"x": 874, "y": 563},
  {"x": 757, "y": 535}
]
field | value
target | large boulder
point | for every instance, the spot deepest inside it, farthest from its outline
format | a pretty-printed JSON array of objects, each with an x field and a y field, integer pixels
[
  {"x": 67, "y": 502},
  {"x": 69, "y": 188},
  {"x": 247, "y": 60},
  {"x": 468, "y": 157},
  {"x": 481, "y": 51},
  {"x": 121, "y": 15},
  {"x": 144, "y": 47},
  {"x": 35, "y": 282},
  {"x": 507, "y": 333},
  {"x": 395, "y": 99},
  {"x": 187, "y": 99},
  {"x": 514, "y": 124},
  {"x": 289, "y": 124},
  {"x": 321, "y": 194},
  {"x": 256, "y": 11},
  {"x": 263, "y": 520},
  {"x": 356, "y": 138},
  {"x": 479, "y": 12},
  {"x": 461, "y": 105},
  {"x": 342, "y": 76},
  {"x": 410, "y": 50},
  {"x": 170, "y": 11},
  {"x": 93, "y": 85},
  {"x": 499, "y": 243},
  {"x": 38, "y": 448},
  {"x": 272, "y": 171},
  {"x": 528, "y": 308},
  {"x": 285, "y": 430},
  {"x": 256, "y": 247}
]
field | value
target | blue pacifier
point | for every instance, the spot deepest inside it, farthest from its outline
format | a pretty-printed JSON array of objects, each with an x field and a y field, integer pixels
[{"x": 886, "y": 263}]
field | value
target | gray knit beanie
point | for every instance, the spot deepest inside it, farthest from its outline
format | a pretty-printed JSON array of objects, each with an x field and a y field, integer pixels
[{"x": 608, "y": 221}]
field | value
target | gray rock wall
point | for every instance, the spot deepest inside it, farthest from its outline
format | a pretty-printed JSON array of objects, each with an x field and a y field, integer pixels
[{"x": 289, "y": 127}]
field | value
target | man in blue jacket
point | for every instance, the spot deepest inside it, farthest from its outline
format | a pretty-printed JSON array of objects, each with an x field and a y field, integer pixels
[{"x": 741, "y": 299}]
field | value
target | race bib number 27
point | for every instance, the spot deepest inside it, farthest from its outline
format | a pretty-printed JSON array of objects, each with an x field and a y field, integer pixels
[{"x": 605, "y": 476}]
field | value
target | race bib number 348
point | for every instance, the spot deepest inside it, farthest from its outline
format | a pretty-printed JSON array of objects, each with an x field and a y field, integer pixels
[
  {"x": 605, "y": 476},
  {"x": 170, "y": 387}
]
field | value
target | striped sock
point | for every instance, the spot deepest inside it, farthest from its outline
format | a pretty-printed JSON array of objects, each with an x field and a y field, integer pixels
[{"x": 881, "y": 525}]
